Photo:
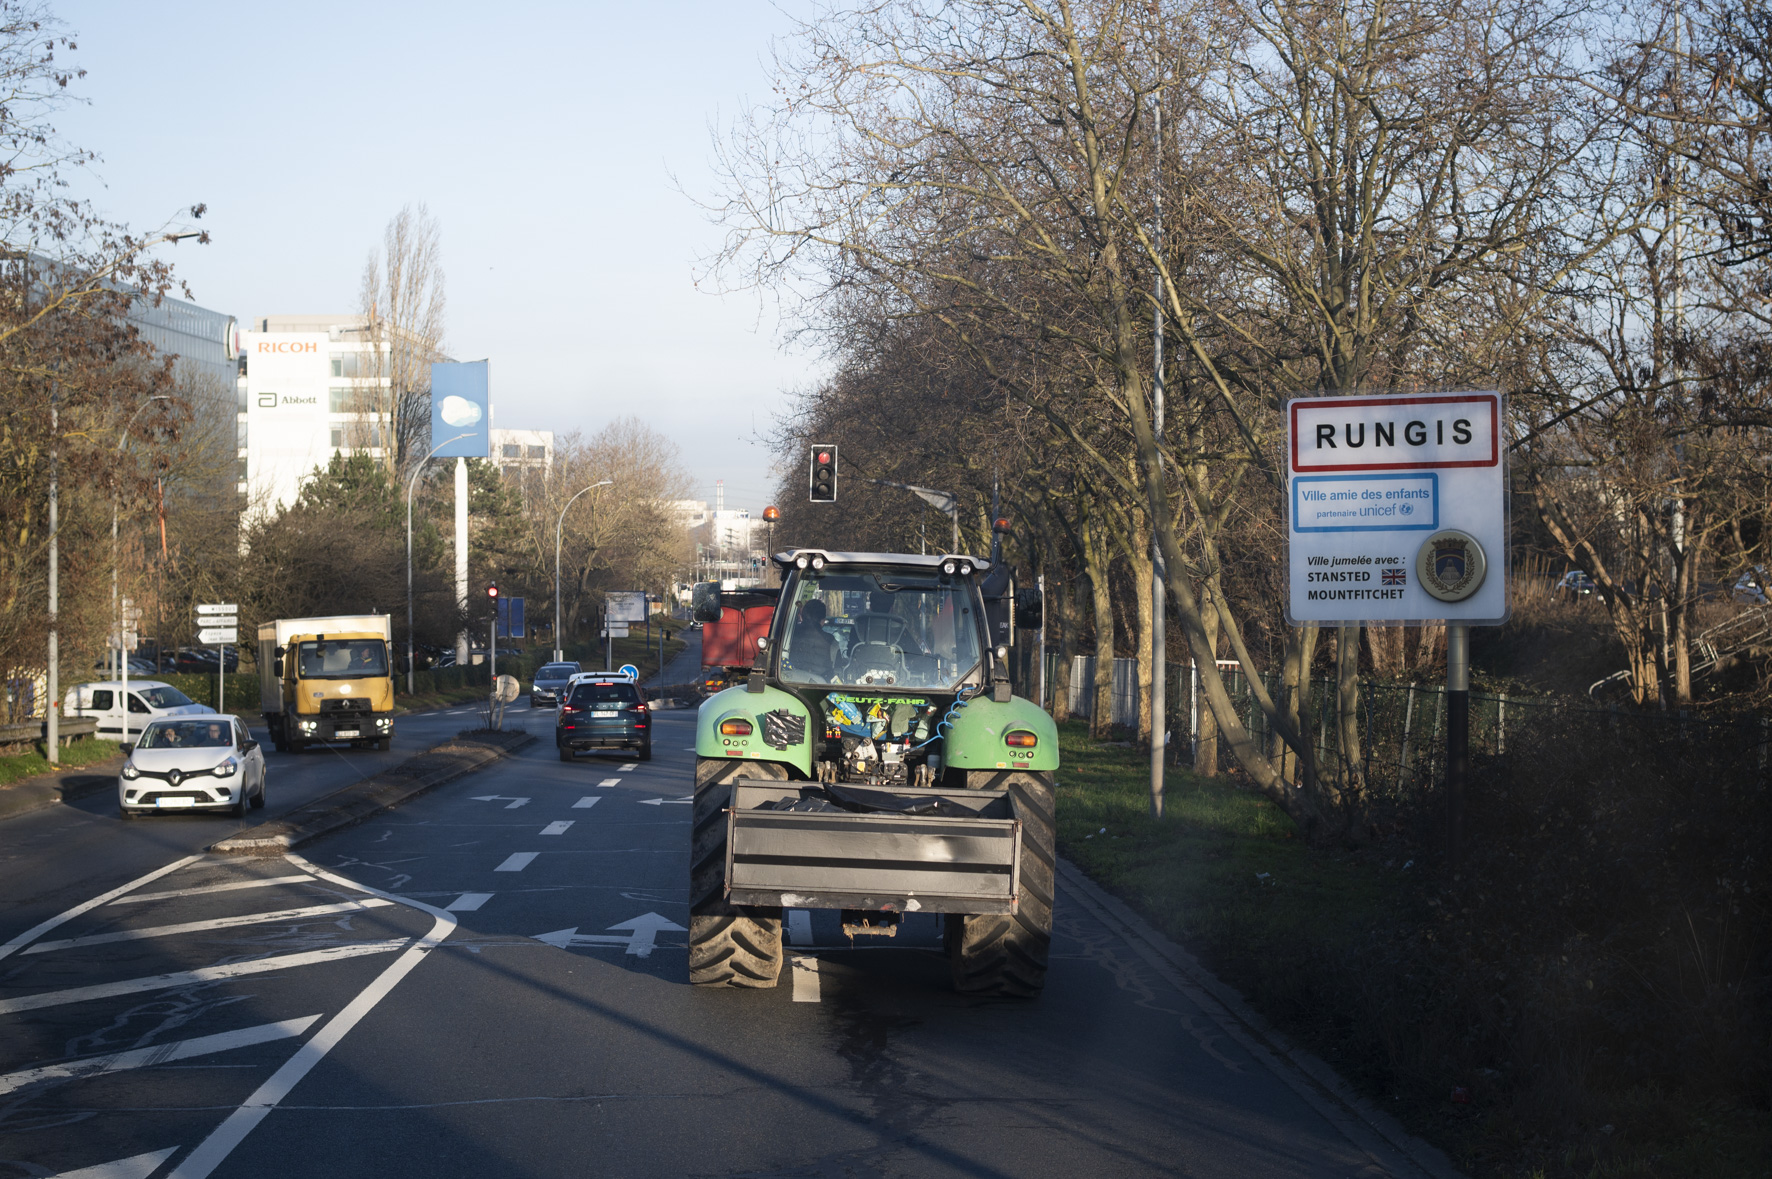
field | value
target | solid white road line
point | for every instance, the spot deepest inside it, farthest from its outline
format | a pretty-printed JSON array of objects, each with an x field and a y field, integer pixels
[
  {"x": 116, "y": 1062},
  {"x": 183, "y": 978},
  {"x": 799, "y": 927},
  {"x": 632, "y": 765},
  {"x": 130, "y": 935},
  {"x": 467, "y": 902},
  {"x": 558, "y": 827},
  {"x": 610, "y": 782},
  {"x": 213, "y": 1149},
  {"x": 136, "y": 1167},
  {"x": 805, "y": 980},
  {"x": 209, "y": 888},
  {"x": 36, "y": 931},
  {"x": 585, "y": 803},
  {"x": 517, "y": 861}
]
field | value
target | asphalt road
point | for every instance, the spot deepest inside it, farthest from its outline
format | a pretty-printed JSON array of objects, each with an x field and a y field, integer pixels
[{"x": 490, "y": 981}]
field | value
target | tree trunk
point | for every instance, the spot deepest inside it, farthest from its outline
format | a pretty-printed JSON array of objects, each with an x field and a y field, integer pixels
[
  {"x": 1206, "y": 748},
  {"x": 1140, "y": 561},
  {"x": 1101, "y": 715}
]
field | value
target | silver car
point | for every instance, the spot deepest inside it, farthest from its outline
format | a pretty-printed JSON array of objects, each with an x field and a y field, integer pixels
[
  {"x": 550, "y": 680},
  {"x": 206, "y": 763}
]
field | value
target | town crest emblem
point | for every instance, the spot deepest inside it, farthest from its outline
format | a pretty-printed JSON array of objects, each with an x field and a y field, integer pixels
[{"x": 1451, "y": 565}]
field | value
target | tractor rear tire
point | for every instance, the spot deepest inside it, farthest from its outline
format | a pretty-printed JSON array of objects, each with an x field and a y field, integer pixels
[
  {"x": 729, "y": 945},
  {"x": 1005, "y": 953}
]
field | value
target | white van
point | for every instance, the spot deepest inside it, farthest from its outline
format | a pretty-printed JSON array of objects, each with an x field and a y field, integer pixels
[{"x": 148, "y": 700}]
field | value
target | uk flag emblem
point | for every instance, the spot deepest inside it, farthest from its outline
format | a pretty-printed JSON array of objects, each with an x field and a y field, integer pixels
[{"x": 1396, "y": 577}]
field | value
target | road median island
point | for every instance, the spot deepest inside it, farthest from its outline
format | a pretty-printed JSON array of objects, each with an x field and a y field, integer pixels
[{"x": 349, "y": 805}]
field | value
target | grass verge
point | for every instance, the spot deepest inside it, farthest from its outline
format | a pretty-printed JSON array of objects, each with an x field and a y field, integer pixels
[
  {"x": 1373, "y": 964},
  {"x": 15, "y": 767}
]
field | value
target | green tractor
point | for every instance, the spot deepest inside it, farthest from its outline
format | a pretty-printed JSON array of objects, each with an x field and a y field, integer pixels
[{"x": 875, "y": 761}]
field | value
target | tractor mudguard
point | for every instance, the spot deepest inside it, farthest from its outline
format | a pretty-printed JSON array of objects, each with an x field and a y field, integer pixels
[
  {"x": 975, "y": 736},
  {"x": 781, "y": 728}
]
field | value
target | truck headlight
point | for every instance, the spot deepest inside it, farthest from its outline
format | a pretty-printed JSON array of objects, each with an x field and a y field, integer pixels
[
  {"x": 130, "y": 772},
  {"x": 227, "y": 769},
  {"x": 382, "y": 722}
]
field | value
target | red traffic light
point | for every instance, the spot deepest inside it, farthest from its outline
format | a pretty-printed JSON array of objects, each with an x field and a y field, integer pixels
[
  {"x": 823, "y": 458},
  {"x": 492, "y": 590}
]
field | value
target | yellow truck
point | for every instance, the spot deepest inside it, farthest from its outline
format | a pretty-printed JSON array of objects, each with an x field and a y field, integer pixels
[{"x": 327, "y": 679}]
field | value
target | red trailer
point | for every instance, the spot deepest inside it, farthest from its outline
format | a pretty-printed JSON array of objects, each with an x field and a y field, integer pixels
[{"x": 729, "y": 645}]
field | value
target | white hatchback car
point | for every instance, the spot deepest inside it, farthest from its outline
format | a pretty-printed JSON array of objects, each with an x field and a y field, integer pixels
[{"x": 205, "y": 763}]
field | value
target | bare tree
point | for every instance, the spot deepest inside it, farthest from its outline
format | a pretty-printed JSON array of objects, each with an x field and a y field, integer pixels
[{"x": 402, "y": 301}]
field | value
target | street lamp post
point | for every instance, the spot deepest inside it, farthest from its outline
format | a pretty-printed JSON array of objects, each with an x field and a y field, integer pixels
[
  {"x": 410, "y": 484},
  {"x": 559, "y": 524},
  {"x": 116, "y": 600}
]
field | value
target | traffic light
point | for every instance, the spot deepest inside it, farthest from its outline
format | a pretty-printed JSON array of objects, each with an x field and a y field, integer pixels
[
  {"x": 824, "y": 474},
  {"x": 492, "y": 591}
]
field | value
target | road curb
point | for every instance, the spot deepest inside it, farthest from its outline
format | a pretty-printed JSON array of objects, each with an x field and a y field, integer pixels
[
  {"x": 1364, "y": 1124},
  {"x": 45, "y": 790},
  {"x": 345, "y": 807}
]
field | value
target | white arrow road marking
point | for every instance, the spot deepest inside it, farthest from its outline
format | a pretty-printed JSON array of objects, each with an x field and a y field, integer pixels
[
  {"x": 610, "y": 782},
  {"x": 215, "y": 1148},
  {"x": 116, "y": 1062},
  {"x": 137, "y": 1167},
  {"x": 632, "y": 765},
  {"x": 514, "y": 802},
  {"x": 640, "y": 942},
  {"x": 237, "y": 885},
  {"x": 467, "y": 902},
  {"x": 36, "y": 931},
  {"x": 130, "y": 935},
  {"x": 517, "y": 861},
  {"x": 181, "y": 978},
  {"x": 557, "y": 827},
  {"x": 799, "y": 927},
  {"x": 805, "y": 980},
  {"x": 686, "y": 800},
  {"x": 585, "y": 803}
]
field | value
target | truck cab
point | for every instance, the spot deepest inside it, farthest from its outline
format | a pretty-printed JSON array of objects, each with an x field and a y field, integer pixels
[{"x": 327, "y": 679}]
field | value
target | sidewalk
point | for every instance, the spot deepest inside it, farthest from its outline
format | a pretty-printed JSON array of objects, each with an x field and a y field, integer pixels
[
  {"x": 30, "y": 794},
  {"x": 684, "y": 667}
]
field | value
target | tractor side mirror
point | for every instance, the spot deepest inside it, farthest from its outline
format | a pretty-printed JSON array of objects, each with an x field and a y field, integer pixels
[
  {"x": 705, "y": 603},
  {"x": 277, "y": 669},
  {"x": 1030, "y": 609}
]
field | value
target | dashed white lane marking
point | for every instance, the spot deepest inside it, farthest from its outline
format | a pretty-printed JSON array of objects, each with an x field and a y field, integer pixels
[
  {"x": 214, "y": 1149},
  {"x": 467, "y": 902},
  {"x": 209, "y": 888},
  {"x": 36, "y": 931},
  {"x": 632, "y": 765},
  {"x": 517, "y": 861},
  {"x": 799, "y": 927},
  {"x": 805, "y": 980},
  {"x": 182, "y": 978},
  {"x": 116, "y": 1062},
  {"x": 610, "y": 782},
  {"x": 130, "y": 935},
  {"x": 586, "y": 803},
  {"x": 557, "y": 827},
  {"x": 135, "y": 1167}
]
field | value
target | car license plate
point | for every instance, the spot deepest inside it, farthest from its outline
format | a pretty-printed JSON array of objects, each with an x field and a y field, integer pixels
[
  {"x": 346, "y": 733},
  {"x": 600, "y": 715},
  {"x": 172, "y": 802}
]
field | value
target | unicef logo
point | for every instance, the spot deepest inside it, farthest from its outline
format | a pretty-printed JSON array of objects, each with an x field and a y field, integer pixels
[{"x": 1405, "y": 509}]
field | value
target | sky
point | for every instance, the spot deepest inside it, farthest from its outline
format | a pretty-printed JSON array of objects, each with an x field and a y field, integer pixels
[{"x": 559, "y": 146}]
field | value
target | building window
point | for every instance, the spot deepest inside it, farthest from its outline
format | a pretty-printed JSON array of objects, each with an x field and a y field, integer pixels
[
  {"x": 345, "y": 399},
  {"x": 511, "y": 450},
  {"x": 538, "y": 452},
  {"x": 510, "y": 472},
  {"x": 349, "y": 364},
  {"x": 338, "y": 437}
]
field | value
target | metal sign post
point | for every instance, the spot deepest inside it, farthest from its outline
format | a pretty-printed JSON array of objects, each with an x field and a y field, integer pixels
[
  {"x": 1396, "y": 510},
  {"x": 218, "y": 624}
]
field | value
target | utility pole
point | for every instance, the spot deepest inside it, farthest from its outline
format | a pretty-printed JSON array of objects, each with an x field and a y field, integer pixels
[
  {"x": 461, "y": 556},
  {"x": 53, "y": 685},
  {"x": 1159, "y": 578}
]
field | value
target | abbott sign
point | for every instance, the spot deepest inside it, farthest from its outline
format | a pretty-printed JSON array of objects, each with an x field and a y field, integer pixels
[{"x": 1396, "y": 509}]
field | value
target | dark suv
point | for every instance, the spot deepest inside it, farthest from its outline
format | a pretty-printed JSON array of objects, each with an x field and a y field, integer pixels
[{"x": 604, "y": 714}]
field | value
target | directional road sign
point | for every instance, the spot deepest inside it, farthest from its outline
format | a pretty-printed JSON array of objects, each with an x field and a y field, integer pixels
[
  {"x": 217, "y": 608},
  {"x": 211, "y": 636}
]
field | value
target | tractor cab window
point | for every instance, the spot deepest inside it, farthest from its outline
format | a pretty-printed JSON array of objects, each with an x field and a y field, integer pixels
[
  {"x": 885, "y": 629},
  {"x": 342, "y": 659}
]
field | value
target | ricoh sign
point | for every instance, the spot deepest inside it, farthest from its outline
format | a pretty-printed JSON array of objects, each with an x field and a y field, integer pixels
[{"x": 1396, "y": 508}]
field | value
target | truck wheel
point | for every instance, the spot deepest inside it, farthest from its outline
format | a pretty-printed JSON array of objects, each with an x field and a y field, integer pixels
[
  {"x": 1005, "y": 954},
  {"x": 729, "y": 945}
]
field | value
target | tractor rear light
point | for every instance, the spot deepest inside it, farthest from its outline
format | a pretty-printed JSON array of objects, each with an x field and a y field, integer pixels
[
  {"x": 735, "y": 728},
  {"x": 1021, "y": 739}
]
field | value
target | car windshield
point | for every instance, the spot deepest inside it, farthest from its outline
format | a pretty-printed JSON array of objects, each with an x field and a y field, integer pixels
[
  {"x": 557, "y": 671},
  {"x": 187, "y": 734},
  {"x": 880, "y": 629},
  {"x": 342, "y": 659},
  {"x": 586, "y": 695},
  {"x": 163, "y": 697}
]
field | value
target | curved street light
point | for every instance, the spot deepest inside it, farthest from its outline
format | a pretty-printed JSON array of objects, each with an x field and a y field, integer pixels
[
  {"x": 410, "y": 484},
  {"x": 559, "y": 652}
]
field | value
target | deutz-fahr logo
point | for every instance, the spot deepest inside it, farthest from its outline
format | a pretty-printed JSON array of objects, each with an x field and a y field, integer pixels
[{"x": 1451, "y": 565}]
